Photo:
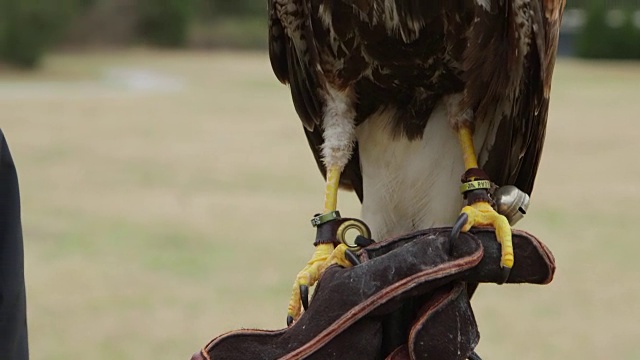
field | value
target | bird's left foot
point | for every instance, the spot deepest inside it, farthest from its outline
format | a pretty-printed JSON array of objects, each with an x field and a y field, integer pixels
[{"x": 483, "y": 214}]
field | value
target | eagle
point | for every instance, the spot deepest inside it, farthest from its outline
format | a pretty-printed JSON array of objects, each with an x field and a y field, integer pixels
[{"x": 401, "y": 99}]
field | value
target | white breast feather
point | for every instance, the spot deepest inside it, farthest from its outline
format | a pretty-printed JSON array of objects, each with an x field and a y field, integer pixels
[{"x": 410, "y": 185}]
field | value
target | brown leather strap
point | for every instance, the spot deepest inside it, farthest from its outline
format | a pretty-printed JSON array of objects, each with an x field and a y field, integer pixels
[{"x": 474, "y": 174}]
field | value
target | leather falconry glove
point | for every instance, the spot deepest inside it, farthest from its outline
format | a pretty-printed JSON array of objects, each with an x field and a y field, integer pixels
[{"x": 407, "y": 299}]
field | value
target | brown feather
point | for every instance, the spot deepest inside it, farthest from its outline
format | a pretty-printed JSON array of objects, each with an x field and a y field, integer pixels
[
  {"x": 410, "y": 61},
  {"x": 515, "y": 155}
]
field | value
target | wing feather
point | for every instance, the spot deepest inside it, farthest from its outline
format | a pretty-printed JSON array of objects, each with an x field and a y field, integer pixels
[
  {"x": 514, "y": 156},
  {"x": 294, "y": 60},
  {"x": 277, "y": 45}
]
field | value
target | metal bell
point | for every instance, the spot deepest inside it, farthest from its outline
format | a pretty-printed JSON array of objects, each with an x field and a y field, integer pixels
[{"x": 511, "y": 202}]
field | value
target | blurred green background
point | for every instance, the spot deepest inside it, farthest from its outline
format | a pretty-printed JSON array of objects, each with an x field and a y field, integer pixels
[
  {"x": 30, "y": 28},
  {"x": 167, "y": 185}
]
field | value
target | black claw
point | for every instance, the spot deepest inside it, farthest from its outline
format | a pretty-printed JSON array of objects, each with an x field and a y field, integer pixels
[
  {"x": 457, "y": 227},
  {"x": 289, "y": 320},
  {"x": 363, "y": 242},
  {"x": 474, "y": 356},
  {"x": 304, "y": 296},
  {"x": 353, "y": 259},
  {"x": 505, "y": 275}
]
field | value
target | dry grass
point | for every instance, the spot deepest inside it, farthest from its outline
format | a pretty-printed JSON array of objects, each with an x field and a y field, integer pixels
[{"x": 155, "y": 220}]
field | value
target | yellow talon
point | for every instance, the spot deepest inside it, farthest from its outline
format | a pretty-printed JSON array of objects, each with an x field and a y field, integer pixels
[
  {"x": 482, "y": 214},
  {"x": 324, "y": 256},
  {"x": 338, "y": 257}
]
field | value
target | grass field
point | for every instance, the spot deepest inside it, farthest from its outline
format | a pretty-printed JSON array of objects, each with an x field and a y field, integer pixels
[{"x": 166, "y": 199}]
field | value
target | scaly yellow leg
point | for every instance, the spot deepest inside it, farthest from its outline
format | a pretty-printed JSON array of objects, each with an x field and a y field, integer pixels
[
  {"x": 331, "y": 190},
  {"x": 324, "y": 255},
  {"x": 465, "y": 136},
  {"x": 481, "y": 213}
]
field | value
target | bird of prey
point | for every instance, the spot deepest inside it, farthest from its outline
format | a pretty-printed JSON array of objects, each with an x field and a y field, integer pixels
[{"x": 401, "y": 98}]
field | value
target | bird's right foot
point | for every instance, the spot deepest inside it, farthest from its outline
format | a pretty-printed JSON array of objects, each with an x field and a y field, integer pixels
[{"x": 324, "y": 256}]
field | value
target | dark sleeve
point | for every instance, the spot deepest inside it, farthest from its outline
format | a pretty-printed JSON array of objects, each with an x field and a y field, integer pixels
[{"x": 13, "y": 312}]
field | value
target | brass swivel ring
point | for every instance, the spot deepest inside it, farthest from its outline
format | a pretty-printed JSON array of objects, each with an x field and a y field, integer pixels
[{"x": 349, "y": 225}]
